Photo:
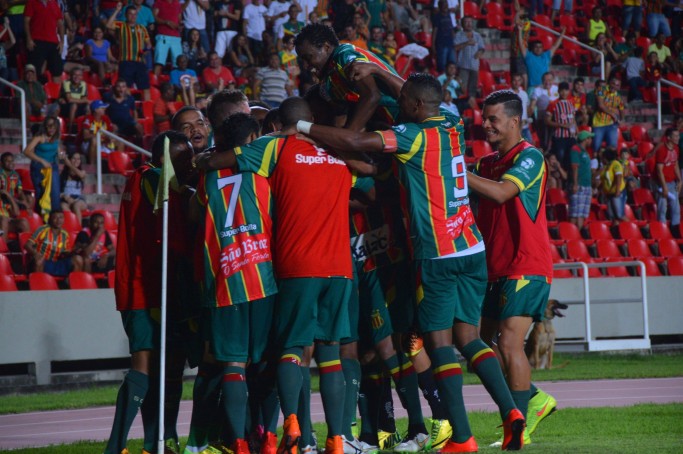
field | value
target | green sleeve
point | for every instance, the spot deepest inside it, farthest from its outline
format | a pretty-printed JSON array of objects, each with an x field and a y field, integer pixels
[
  {"x": 260, "y": 156},
  {"x": 528, "y": 168}
]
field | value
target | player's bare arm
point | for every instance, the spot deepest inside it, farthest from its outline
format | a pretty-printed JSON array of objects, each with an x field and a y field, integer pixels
[
  {"x": 213, "y": 161},
  {"x": 369, "y": 97},
  {"x": 498, "y": 191},
  {"x": 360, "y": 70}
]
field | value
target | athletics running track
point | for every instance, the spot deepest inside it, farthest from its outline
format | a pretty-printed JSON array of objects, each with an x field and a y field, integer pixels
[{"x": 68, "y": 426}]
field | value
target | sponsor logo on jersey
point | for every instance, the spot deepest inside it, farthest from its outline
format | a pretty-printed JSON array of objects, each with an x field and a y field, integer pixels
[
  {"x": 248, "y": 250},
  {"x": 240, "y": 229},
  {"x": 463, "y": 218},
  {"x": 371, "y": 243},
  {"x": 321, "y": 157}
]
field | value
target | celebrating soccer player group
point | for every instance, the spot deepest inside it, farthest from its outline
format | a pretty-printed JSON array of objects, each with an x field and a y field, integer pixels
[{"x": 338, "y": 227}]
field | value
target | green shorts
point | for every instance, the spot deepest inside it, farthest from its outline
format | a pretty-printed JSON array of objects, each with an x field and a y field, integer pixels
[
  {"x": 398, "y": 282},
  {"x": 376, "y": 293},
  {"x": 449, "y": 290},
  {"x": 525, "y": 297},
  {"x": 309, "y": 309},
  {"x": 240, "y": 332},
  {"x": 143, "y": 328},
  {"x": 353, "y": 306}
]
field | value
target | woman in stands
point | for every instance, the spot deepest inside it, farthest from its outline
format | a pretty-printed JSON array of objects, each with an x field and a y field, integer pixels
[
  {"x": 72, "y": 186},
  {"x": 195, "y": 53},
  {"x": 43, "y": 151},
  {"x": 98, "y": 54}
]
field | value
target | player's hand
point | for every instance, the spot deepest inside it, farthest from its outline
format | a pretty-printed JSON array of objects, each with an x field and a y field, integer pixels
[
  {"x": 201, "y": 161},
  {"x": 665, "y": 192},
  {"x": 30, "y": 44},
  {"x": 102, "y": 261}
]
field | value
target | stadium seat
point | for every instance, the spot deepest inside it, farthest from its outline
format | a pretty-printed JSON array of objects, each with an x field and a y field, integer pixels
[
  {"x": 644, "y": 43},
  {"x": 26, "y": 181},
  {"x": 644, "y": 204},
  {"x": 555, "y": 253},
  {"x": 569, "y": 22},
  {"x": 7, "y": 284},
  {"x": 401, "y": 39},
  {"x": 495, "y": 20},
  {"x": 52, "y": 91},
  {"x": 424, "y": 38},
  {"x": 120, "y": 163},
  {"x": 109, "y": 221},
  {"x": 93, "y": 92},
  {"x": 644, "y": 148},
  {"x": 629, "y": 213},
  {"x": 481, "y": 148},
  {"x": 630, "y": 231},
  {"x": 487, "y": 83},
  {"x": 41, "y": 281},
  {"x": 569, "y": 231},
  {"x": 80, "y": 280},
  {"x": 651, "y": 267},
  {"x": 675, "y": 266},
  {"x": 607, "y": 249},
  {"x": 616, "y": 271},
  {"x": 111, "y": 278},
  {"x": 5, "y": 266},
  {"x": 569, "y": 56},
  {"x": 600, "y": 230},
  {"x": 546, "y": 40},
  {"x": 660, "y": 231},
  {"x": 562, "y": 274},
  {"x": 638, "y": 133},
  {"x": 592, "y": 272},
  {"x": 3, "y": 246},
  {"x": 638, "y": 248},
  {"x": 649, "y": 94},
  {"x": 71, "y": 222},
  {"x": 475, "y": 116},
  {"x": 577, "y": 250},
  {"x": 674, "y": 77},
  {"x": 472, "y": 9},
  {"x": 668, "y": 247},
  {"x": 34, "y": 219}
]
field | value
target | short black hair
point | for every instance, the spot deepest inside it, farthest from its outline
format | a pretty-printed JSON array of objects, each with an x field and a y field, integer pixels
[
  {"x": 668, "y": 132},
  {"x": 174, "y": 138},
  {"x": 579, "y": 80},
  {"x": 236, "y": 129},
  {"x": 317, "y": 35},
  {"x": 217, "y": 102},
  {"x": 425, "y": 87},
  {"x": 95, "y": 216},
  {"x": 294, "y": 109},
  {"x": 273, "y": 116},
  {"x": 5, "y": 154},
  {"x": 563, "y": 86},
  {"x": 512, "y": 104},
  {"x": 176, "y": 117}
]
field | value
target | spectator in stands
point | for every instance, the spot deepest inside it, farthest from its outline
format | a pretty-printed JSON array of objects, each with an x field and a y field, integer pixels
[
  {"x": 98, "y": 54},
  {"x": 50, "y": 250},
  {"x": 568, "y": 5},
  {"x": 7, "y": 41},
  {"x": 44, "y": 29},
  {"x": 133, "y": 42},
  {"x": 73, "y": 97},
  {"x": 43, "y": 151},
  {"x": 226, "y": 15},
  {"x": 240, "y": 55},
  {"x": 449, "y": 80},
  {"x": 273, "y": 82},
  {"x": 182, "y": 75},
  {"x": 73, "y": 51},
  {"x": 596, "y": 26},
  {"x": 292, "y": 26},
  {"x": 557, "y": 175},
  {"x": 447, "y": 102},
  {"x": 95, "y": 246},
  {"x": 194, "y": 51},
  {"x": 168, "y": 20},
  {"x": 592, "y": 97},
  {"x": 632, "y": 14},
  {"x": 339, "y": 11},
  {"x": 608, "y": 114},
  {"x": 164, "y": 108},
  {"x": 391, "y": 47},
  {"x": 97, "y": 120},
  {"x": 10, "y": 182},
  {"x": 35, "y": 94},
  {"x": 541, "y": 96},
  {"x": 362, "y": 23},
  {"x": 104, "y": 9},
  {"x": 612, "y": 185},
  {"x": 537, "y": 61},
  {"x": 663, "y": 52},
  {"x": 145, "y": 16},
  {"x": 677, "y": 22},
  {"x": 289, "y": 60},
  {"x": 559, "y": 117},
  {"x": 578, "y": 95},
  {"x": 582, "y": 177},
  {"x": 121, "y": 110},
  {"x": 657, "y": 22},
  {"x": 628, "y": 165},
  {"x": 71, "y": 179},
  {"x": 352, "y": 36},
  {"x": 216, "y": 76},
  {"x": 254, "y": 25},
  {"x": 605, "y": 49},
  {"x": 634, "y": 67},
  {"x": 668, "y": 179},
  {"x": 519, "y": 41},
  {"x": 379, "y": 15},
  {"x": 15, "y": 14},
  {"x": 443, "y": 33},
  {"x": 406, "y": 19},
  {"x": 376, "y": 43},
  {"x": 518, "y": 89},
  {"x": 194, "y": 18},
  {"x": 625, "y": 49},
  {"x": 469, "y": 47},
  {"x": 653, "y": 69}
]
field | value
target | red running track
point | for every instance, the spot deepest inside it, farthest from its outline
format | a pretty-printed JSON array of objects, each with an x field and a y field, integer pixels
[{"x": 68, "y": 426}]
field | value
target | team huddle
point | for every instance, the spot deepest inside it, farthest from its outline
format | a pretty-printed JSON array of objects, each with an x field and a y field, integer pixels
[{"x": 339, "y": 228}]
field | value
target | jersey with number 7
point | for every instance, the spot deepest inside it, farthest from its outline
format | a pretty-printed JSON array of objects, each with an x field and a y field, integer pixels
[
  {"x": 431, "y": 158},
  {"x": 238, "y": 265}
]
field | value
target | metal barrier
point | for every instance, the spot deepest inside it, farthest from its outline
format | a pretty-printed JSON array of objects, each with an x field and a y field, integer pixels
[
  {"x": 24, "y": 123},
  {"x": 578, "y": 43},
  {"x": 611, "y": 344},
  {"x": 659, "y": 98},
  {"x": 113, "y": 136}
]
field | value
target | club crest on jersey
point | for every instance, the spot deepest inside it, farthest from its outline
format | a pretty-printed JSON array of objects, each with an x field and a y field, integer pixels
[
  {"x": 400, "y": 128},
  {"x": 376, "y": 319},
  {"x": 527, "y": 164}
]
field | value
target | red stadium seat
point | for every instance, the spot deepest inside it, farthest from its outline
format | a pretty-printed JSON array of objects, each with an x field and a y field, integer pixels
[
  {"x": 7, "y": 283},
  {"x": 80, "y": 280},
  {"x": 472, "y": 9},
  {"x": 660, "y": 231},
  {"x": 93, "y": 92},
  {"x": 556, "y": 195},
  {"x": 3, "y": 246},
  {"x": 616, "y": 271},
  {"x": 555, "y": 253},
  {"x": 109, "y": 221},
  {"x": 111, "y": 278},
  {"x": 577, "y": 250},
  {"x": 5, "y": 266},
  {"x": 52, "y": 91},
  {"x": 569, "y": 231},
  {"x": 41, "y": 281},
  {"x": 608, "y": 249},
  {"x": 630, "y": 231},
  {"x": 592, "y": 272},
  {"x": 487, "y": 83},
  {"x": 668, "y": 247},
  {"x": 639, "y": 248},
  {"x": 639, "y": 133},
  {"x": 401, "y": 39},
  {"x": 71, "y": 222},
  {"x": 34, "y": 219},
  {"x": 119, "y": 162},
  {"x": 496, "y": 21},
  {"x": 675, "y": 265},
  {"x": 481, "y": 148},
  {"x": 26, "y": 181},
  {"x": 562, "y": 274},
  {"x": 644, "y": 43},
  {"x": 569, "y": 22},
  {"x": 651, "y": 267}
]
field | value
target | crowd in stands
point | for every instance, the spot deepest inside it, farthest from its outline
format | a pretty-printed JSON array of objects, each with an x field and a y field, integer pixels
[{"x": 128, "y": 68}]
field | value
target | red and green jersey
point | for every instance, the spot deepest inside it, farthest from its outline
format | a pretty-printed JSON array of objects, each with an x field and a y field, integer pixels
[
  {"x": 431, "y": 158},
  {"x": 311, "y": 192},
  {"x": 50, "y": 243},
  {"x": 238, "y": 265},
  {"x": 10, "y": 181},
  {"x": 516, "y": 232},
  {"x": 337, "y": 89},
  {"x": 131, "y": 41}
]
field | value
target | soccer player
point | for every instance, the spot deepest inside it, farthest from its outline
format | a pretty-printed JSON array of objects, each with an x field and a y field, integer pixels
[
  {"x": 513, "y": 223},
  {"x": 190, "y": 121},
  {"x": 138, "y": 287},
  {"x": 361, "y": 100},
  {"x": 239, "y": 285},
  {"x": 311, "y": 258},
  {"x": 447, "y": 247}
]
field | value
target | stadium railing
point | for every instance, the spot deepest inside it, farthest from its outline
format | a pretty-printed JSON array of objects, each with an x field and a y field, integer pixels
[
  {"x": 659, "y": 98},
  {"x": 578, "y": 43},
  {"x": 22, "y": 95},
  {"x": 112, "y": 136},
  {"x": 629, "y": 343}
]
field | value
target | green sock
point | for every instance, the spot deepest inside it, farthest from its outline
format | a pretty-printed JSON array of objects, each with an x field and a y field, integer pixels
[
  {"x": 149, "y": 411},
  {"x": 533, "y": 391},
  {"x": 332, "y": 387},
  {"x": 521, "y": 399},
  {"x": 448, "y": 377},
  {"x": 289, "y": 380},
  {"x": 205, "y": 405},
  {"x": 304, "y": 412},
  {"x": 270, "y": 409},
  {"x": 385, "y": 420},
  {"x": 174, "y": 392},
  {"x": 405, "y": 379},
  {"x": 351, "y": 370},
  {"x": 234, "y": 388},
  {"x": 486, "y": 365},
  {"x": 368, "y": 403},
  {"x": 130, "y": 396}
]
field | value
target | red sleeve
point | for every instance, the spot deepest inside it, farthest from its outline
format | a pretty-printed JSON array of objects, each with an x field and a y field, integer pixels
[
  {"x": 208, "y": 76},
  {"x": 159, "y": 106},
  {"x": 56, "y": 11},
  {"x": 227, "y": 74},
  {"x": 29, "y": 10},
  {"x": 201, "y": 190},
  {"x": 389, "y": 139},
  {"x": 661, "y": 154}
]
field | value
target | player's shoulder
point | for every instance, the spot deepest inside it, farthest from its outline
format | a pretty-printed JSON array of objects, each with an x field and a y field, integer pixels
[{"x": 529, "y": 157}]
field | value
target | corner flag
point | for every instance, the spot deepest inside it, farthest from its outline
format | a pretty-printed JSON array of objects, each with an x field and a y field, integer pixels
[{"x": 167, "y": 178}]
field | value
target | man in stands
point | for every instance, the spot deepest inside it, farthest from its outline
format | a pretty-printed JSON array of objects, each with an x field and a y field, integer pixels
[
  {"x": 44, "y": 28},
  {"x": 73, "y": 97},
  {"x": 469, "y": 47},
  {"x": 121, "y": 110},
  {"x": 35, "y": 93},
  {"x": 168, "y": 20},
  {"x": 10, "y": 181},
  {"x": 541, "y": 97},
  {"x": 10, "y": 186},
  {"x": 50, "y": 249},
  {"x": 216, "y": 77},
  {"x": 610, "y": 107},
  {"x": 93, "y": 123},
  {"x": 559, "y": 117},
  {"x": 537, "y": 61},
  {"x": 668, "y": 179},
  {"x": 94, "y": 244}
]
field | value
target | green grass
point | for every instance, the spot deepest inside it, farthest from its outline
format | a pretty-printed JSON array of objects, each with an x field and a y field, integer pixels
[
  {"x": 626, "y": 430},
  {"x": 585, "y": 366}
]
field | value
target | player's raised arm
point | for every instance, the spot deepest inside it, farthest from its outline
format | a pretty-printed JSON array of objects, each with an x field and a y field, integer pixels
[
  {"x": 360, "y": 70},
  {"x": 215, "y": 160}
]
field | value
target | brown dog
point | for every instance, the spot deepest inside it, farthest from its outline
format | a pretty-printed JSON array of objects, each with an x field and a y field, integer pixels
[{"x": 541, "y": 342}]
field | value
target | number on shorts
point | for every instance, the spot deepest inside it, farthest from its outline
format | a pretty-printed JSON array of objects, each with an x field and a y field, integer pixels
[
  {"x": 459, "y": 170},
  {"x": 234, "y": 182}
]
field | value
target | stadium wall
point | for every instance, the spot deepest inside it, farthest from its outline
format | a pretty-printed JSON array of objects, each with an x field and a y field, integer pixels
[{"x": 39, "y": 328}]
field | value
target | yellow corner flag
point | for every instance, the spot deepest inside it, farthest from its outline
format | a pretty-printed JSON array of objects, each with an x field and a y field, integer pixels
[{"x": 167, "y": 179}]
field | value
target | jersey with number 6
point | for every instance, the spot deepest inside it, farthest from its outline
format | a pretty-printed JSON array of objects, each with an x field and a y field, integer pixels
[
  {"x": 238, "y": 265},
  {"x": 431, "y": 157}
]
